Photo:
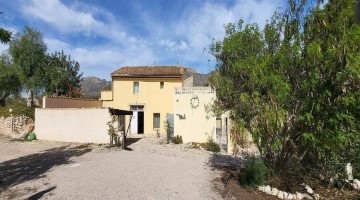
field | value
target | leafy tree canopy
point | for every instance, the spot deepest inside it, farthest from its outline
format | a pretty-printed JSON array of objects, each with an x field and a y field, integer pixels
[
  {"x": 28, "y": 51},
  {"x": 63, "y": 75},
  {"x": 295, "y": 85},
  {"x": 5, "y": 35},
  {"x": 9, "y": 80}
]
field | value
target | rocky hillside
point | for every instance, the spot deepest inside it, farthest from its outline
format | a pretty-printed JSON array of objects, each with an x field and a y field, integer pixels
[{"x": 91, "y": 86}]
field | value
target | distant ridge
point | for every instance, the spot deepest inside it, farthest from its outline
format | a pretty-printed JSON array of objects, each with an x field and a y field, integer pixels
[{"x": 92, "y": 86}]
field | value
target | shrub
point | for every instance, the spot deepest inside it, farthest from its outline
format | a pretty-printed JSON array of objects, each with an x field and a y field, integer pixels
[
  {"x": 255, "y": 173},
  {"x": 19, "y": 107},
  {"x": 177, "y": 139},
  {"x": 211, "y": 145},
  {"x": 291, "y": 89},
  {"x": 169, "y": 130}
]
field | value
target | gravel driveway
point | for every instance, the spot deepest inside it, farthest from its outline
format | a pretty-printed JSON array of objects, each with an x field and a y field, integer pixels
[{"x": 147, "y": 169}]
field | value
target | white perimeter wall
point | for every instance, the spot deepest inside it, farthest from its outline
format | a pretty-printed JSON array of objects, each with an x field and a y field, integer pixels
[
  {"x": 197, "y": 125},
  {"x": 83, "y": 125}
]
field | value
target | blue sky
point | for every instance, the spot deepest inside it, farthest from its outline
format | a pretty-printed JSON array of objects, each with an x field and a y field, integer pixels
[{"x": 105, "y": 35}]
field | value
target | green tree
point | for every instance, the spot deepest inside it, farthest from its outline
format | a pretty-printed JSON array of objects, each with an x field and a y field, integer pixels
[
  {"x": 63, "y": 75},
  {"x": 357, "y": 12},
  {"x": 295, "y": 85},
  {"x": 28, "y": 51},
  {"x": 9, "y": 80},
  {"x": 332, "y": 85},
  {"x": 5, "y": 35}
]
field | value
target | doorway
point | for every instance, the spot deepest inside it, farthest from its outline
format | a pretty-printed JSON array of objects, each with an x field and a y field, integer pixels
[
  {"x": 140, "y": 122},
  {"x": 137, "y": 122}
]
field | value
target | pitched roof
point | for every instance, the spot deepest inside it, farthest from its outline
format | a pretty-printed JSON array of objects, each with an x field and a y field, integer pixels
[{"x": 150, "y": 71}]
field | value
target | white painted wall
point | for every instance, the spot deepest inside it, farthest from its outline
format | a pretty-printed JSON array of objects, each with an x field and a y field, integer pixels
[
  {"x": 197, "y": 125},
  {"x": 85, "y": 125}
]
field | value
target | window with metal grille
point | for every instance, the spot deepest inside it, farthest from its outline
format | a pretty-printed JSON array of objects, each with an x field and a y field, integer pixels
[{"x": 156, "y": 121}]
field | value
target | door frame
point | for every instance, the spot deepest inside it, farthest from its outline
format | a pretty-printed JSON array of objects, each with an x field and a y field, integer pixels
[{"x": 136, "y": 108}]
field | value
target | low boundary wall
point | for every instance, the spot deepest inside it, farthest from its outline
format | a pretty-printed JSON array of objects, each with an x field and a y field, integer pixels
[
  {"x": 85, "y": 125},
  {"x": 64, "y": 102}
]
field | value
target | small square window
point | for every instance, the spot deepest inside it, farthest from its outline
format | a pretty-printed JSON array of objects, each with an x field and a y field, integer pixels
[
  {"x": 161, "y": 85},
  {"x": 156, "y": 121},
  {"x": 136, "y": 88}
]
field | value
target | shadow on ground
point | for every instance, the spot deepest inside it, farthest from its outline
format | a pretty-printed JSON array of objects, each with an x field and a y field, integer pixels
[
  {"x": 130, "y": 141},
  {"x": 221, "y": 161},
  {"x": 38, "y": 195},
  {"x": 34, "y": 166}
]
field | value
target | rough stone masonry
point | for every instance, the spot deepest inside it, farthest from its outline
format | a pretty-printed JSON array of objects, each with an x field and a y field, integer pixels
[{"x": 14, "y": 124}]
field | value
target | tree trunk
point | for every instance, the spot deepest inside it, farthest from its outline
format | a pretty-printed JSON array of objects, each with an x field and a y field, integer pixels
[
  {"x": 30, "y": 102},
  {"x": 2, "y": 102},
  {"x": 3, "y": 98}
]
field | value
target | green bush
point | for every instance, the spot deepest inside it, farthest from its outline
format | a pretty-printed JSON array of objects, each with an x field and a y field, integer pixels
[
  {"x": 294, "y": 85},
  {"x": 19, "y": 107},
  {"x": 169, "y": 130},
  {"x": 255, "y": 173},
  {"x": 211, "y": 145},
  {"x": 177, "y": 139}
]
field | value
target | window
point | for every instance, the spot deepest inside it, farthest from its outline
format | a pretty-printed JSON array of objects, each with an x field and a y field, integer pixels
[
  {"x": 136, "y": 87},
  {"x": 156, "y": 121},
  {"x": 161, "y": 85}
]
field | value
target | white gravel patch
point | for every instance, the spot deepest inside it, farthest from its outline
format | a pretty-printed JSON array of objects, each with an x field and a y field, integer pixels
[{"x": 148, "y": 169}]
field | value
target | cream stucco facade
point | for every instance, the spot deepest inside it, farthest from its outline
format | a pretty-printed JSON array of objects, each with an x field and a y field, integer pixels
[
  {"x": 154, "y": 96},
  {"x": 195, "y": 122},
  {"x": 191, "y": 120},
  {"x": 106, "y": 95}
]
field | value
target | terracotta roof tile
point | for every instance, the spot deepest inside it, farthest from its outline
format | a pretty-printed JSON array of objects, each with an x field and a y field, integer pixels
[{"x": 149, "y": 71}]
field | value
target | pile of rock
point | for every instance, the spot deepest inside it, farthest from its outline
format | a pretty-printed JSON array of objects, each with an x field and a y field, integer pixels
[
  {"x": 285, "y": 195},
  {"x": 355, "y": 183},
  {"x": 14, "y": 124}
]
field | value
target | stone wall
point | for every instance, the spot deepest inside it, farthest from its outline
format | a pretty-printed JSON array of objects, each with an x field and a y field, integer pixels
[{"x": 13, "y": 124}]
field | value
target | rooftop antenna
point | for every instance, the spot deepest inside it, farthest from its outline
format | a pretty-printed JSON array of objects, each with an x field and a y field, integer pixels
[
  {"x": 177, "y": 43},
  {"x": 205, "y": 50}
]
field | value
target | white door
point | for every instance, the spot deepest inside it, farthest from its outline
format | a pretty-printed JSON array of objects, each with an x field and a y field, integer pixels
[{"x": 134, "y": 123}]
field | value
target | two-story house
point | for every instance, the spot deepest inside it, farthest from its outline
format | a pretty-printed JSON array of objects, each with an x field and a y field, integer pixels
[{"x": 146, "y": 90}]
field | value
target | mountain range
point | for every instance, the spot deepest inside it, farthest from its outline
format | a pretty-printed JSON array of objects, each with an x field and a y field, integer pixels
[{"x": 92, "y": 86}]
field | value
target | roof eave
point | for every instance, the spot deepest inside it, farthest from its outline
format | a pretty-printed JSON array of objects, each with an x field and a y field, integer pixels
[{"x": 146, "y": 76}]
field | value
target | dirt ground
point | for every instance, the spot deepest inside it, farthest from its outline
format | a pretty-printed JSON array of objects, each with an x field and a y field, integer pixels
[{"x": 148, "y": 168}]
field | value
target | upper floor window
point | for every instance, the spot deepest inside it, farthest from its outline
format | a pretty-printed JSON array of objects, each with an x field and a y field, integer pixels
[
  {"x": 161, "y": 85},
  {"x": 136, "y": 88}
]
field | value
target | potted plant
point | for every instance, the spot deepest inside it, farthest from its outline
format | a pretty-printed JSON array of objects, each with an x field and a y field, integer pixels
[{"x": 157, "y": 133}]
